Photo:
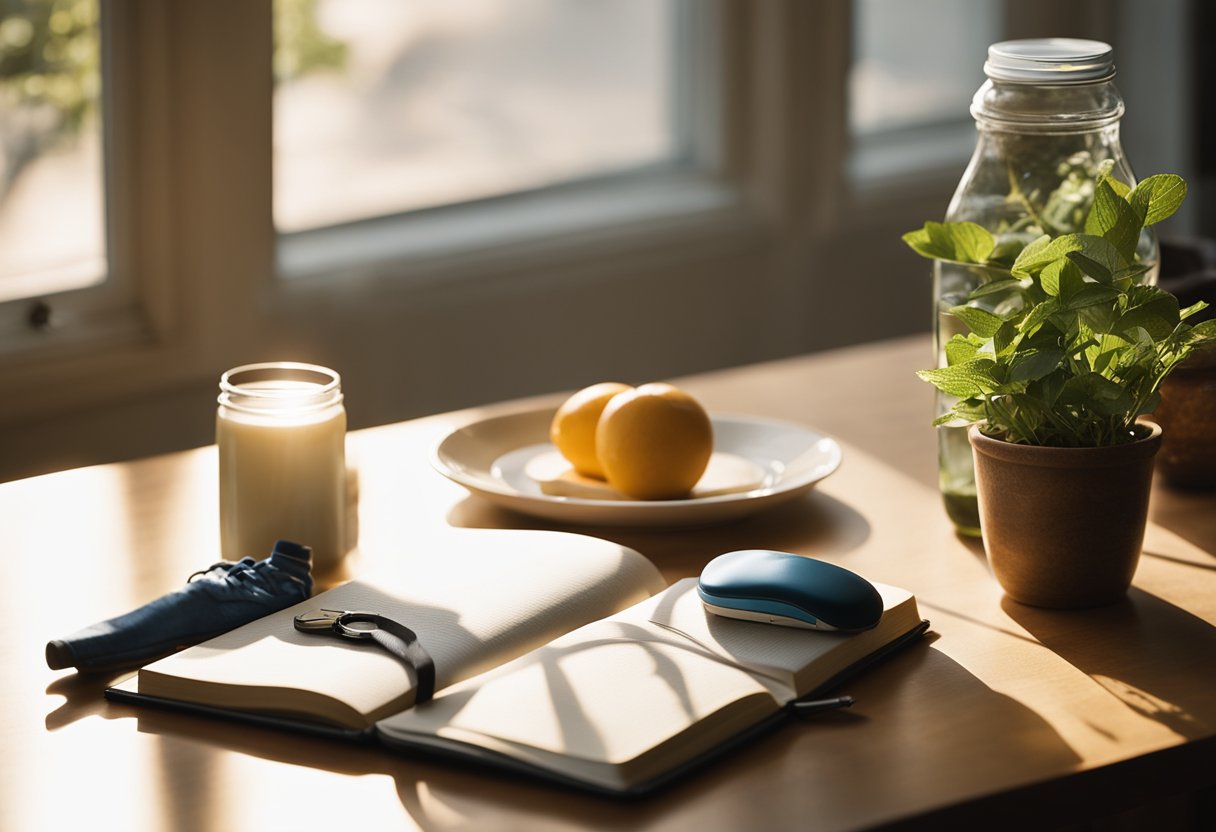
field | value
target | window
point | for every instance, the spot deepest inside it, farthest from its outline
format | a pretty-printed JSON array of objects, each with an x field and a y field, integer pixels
[
  {"x": 385, "y": 106},
  {"x": 577, "y": 145},
  {"x": 915, "y": 68},
  {"x": 52, "y": 221}
]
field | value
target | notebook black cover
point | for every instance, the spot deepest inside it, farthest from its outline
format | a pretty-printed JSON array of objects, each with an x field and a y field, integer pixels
[{"x": 494, "y": 761}]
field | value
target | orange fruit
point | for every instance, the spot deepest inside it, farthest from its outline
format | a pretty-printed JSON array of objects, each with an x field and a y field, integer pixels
[
  {"x": 573, "y": 427},
  {"x": 654, "y": 442}
]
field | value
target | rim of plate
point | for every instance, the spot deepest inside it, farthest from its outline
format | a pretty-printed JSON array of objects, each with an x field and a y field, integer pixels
[{"x": 500, "y": 488}]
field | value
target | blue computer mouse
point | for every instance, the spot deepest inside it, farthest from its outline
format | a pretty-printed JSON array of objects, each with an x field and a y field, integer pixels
[{"x": 786, "y": 589}]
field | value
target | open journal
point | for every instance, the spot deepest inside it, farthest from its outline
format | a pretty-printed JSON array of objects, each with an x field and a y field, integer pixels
[{"x": 556, "y": 654}]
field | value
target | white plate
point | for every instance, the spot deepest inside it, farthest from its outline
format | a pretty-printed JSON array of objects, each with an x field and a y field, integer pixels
[{"x": 488, "y": 458}]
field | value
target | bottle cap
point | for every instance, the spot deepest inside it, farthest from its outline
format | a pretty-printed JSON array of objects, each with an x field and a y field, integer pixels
[{"x": 1050, "y": 61}]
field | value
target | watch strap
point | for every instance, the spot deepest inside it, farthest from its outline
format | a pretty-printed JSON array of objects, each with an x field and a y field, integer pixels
[{"x": 403, "y": 643}]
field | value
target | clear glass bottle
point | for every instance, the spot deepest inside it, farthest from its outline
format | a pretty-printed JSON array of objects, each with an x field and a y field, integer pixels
[
  {"x": 281, "y": 432},
  {"x": 1047, "y": 119}
]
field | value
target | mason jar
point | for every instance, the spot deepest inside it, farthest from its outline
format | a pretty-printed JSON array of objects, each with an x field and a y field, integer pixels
[
  {"x": 281, "y": 432},
  {"x": 1047, "y": 123}
]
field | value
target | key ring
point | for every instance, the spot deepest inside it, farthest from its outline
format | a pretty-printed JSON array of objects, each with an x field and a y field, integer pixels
[
  {"x": 338, "y": 622},
  {"x": 396, "y": 638}
]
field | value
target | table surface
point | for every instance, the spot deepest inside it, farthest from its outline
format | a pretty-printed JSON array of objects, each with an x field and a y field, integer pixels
[{"x": 1003, "y": 710}]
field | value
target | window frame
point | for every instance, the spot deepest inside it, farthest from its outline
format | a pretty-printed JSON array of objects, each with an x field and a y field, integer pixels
[
  {"x": 466, "y": 241},
  {"x": 28, "y": 322},
  {"x": 188, "y": 161},
  {"x": 760, "y": 186}
]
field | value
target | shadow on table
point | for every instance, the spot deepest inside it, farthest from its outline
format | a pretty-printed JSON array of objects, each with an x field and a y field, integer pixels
[
  {"x": 1155, "y": 658},
  {"x": 812, "y": 524},
  {"x": 83, "y": 695},
  {"x": 1181, "y": 561},
  {"x": 1189, "y": 514},
  {"x": 910, "y": 712}
]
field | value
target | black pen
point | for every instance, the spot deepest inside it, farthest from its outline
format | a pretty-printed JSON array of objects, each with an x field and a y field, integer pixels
[{"x": 811, "y": 706}]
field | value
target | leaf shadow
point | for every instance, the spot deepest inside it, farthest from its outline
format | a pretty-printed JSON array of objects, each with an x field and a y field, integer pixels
[
  {"x": 906, "y": 707},
  {"x": 1154, "y": 657}
]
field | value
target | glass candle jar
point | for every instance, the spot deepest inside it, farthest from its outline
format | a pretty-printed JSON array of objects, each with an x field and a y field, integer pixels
[{"x": 281, "y": 432}]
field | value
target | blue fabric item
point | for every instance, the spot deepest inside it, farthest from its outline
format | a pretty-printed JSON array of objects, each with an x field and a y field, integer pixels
[{"x": 213, "y": 601}]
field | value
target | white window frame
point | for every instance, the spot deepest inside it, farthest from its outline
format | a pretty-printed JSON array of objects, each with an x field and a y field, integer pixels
[
  {"x": 79, "y": 316},
  {"x": 115, "y": 338}
]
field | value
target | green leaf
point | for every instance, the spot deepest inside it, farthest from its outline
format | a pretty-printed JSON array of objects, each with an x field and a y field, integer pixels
[
  {"x": 1153, "y": 309},
  {"x": 1098, "y": 258},
  {"x": 980, "y": 321},
  {"x": 1097, "y": 317},
  {"x": 960, "y": 349},
  {"x": 971, "y": 243},
  {"x": 1158, "y": 197},
  {"x": 1091, "y": 267},
  {"x": 1094, "y": 391},
  {"x": 959, "y": 242},
  {"x": 964, "y": 381},
  {"x": 920, "y": 242},
  {"x": 1008, "y": 246},
  {"x": 1062, "y": 278},
  {"x": 1047, "y": 389},
  {"x": 1094, "y": 386},
  {"x": 1198, "y": 306},
  {"x": 964, "y": 412},
  {"x": 1040, "y": 313},
  {"x": 1039, "y": 253},
  {"x": 1132, "y": 271},
  {"x": 1049, "y": 278},
  {"x": 1121, "y": 188},
  {"x": 1072, "y": 280},
  {"x": 1034, "y": 364},
  {"x": 1137, "y": 358},
  {"x": 1004, "y": 339},
  {"x": 1106, "y": 352},
  {"x": 1113, "y": 219},
  {"x": 1042, "y": 338},
  {"x": 1202, "y": 332},
  {"x": 1092, "y": 294},
  {"x": 993, "y": 287}
]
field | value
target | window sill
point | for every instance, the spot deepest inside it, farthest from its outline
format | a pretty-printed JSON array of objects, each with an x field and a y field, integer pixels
[
  {"x": 910, "y": 156},
  {"x": 580, "y": 222}
]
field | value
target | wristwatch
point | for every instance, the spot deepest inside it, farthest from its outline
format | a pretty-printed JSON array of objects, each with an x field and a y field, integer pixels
[{"x": 398, "y": 639}]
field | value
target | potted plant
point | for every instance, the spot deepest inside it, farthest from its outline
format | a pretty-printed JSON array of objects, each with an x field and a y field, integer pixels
[{"x": 1053, "y": 382}]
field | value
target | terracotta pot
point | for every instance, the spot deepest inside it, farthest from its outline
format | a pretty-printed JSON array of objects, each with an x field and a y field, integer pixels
[
  {"x": 1063, "y": 526},
  {"x": 1187, "y": 414}
]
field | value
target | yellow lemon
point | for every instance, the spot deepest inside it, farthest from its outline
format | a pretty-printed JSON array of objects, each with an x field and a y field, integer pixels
[
  {"x": 654, "y": 442},
  {"x": 573, "y": 427}
]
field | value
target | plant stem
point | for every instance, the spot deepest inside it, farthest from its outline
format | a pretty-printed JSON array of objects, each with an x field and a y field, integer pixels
[{"x": 1015, "y": 191}]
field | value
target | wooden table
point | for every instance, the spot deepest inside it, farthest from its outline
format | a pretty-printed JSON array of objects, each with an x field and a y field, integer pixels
[{"x": 1005, "y": 714}]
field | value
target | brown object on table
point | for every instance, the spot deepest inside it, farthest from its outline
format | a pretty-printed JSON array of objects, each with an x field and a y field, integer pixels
[
  {"x": 1003, "y": 715},
  {"x": 1187, "y": 414},
  {"x": 1063, "y": 526}
]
